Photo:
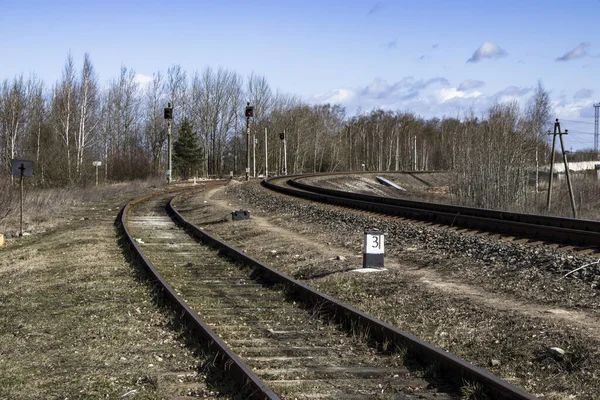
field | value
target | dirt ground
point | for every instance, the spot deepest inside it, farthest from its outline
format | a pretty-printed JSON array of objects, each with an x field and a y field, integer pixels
[
  {"x": 491, "y": 313},
  {"x": 78, "y": 322},
  {"x": 426, "y": 186}
]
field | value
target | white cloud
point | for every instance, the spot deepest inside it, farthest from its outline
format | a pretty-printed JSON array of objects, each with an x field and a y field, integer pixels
[
  {"x": 339, "y": 96},
  {"x": 572, "y": 110},
  {"x": 487, "y": 50},
  {"x": 143, "y": 80},
  {"x": 445, "y": 94},
  {"x": 470, "y": 84},
  {"x": 587, "y": 111},
  {"x": 433, "y": 97},
  {"x": 583, "y": 94},
  {"x": 511, "y": 93},
  {"x": 577, "y": 52}
]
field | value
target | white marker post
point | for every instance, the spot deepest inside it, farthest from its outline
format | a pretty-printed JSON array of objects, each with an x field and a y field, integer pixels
[
  {"x": 373, "y": 249},
  {"x": 96, "y": 164}
]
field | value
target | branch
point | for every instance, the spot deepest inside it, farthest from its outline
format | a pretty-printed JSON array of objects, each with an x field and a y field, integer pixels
[{"x": 582, "y": 267}]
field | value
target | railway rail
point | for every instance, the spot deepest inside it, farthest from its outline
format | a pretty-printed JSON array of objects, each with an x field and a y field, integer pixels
[
  {"x": 267, "y": 343},
  {"x": 585, "y": 233}
]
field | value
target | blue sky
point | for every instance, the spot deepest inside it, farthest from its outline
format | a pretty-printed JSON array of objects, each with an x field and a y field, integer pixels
[{"x": 435, "y": 58}]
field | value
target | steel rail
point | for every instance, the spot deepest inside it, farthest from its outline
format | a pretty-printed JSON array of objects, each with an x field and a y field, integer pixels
[
  {"x": 249, "y": 383},
  {"x": 457, "y": 369},
  {"x": 543, "y": 227}
]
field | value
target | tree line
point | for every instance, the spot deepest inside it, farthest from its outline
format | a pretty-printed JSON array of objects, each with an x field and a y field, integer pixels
[{"x": 65, "y": 126}]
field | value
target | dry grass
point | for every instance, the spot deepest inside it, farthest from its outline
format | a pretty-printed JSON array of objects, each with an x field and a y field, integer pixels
[
  {"x": 40, "y": 204},
  {"x": 75, "y": 320}
]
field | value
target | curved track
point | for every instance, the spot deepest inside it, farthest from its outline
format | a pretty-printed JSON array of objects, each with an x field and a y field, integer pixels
[
  {"x": 539, "y": 227},
  {"x": 251, "y": 318}
]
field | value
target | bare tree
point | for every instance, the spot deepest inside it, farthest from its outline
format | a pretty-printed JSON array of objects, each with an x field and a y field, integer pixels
[
  {"x": 36, "y": 114},
  {"x": 176, "y": 86},
  {"x": 64, "y": 109},
  {"x": 217, "y": 106},
  {"x": 13, "y": 104},
  {"x": 538, "y": 114},
  {"x": 154, "y": 125},
  {"x": 87, "y": 110}
]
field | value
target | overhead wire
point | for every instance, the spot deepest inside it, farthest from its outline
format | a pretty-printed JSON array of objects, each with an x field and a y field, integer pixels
[{"x": 576, "y": 122}]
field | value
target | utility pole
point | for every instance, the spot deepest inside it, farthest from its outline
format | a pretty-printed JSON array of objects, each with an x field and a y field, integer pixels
[
  {"x": 549, "y": 198},
  {"x": 249, "y": 114},
  {"x": 266, "y": 156},
  {"x": 169, "y": 118},
  {"x": 596, "y": 130},
  {"x": 557, "y": 131},
  {"x": 282, "y": 137},
  {"x": 562, "y": 145}
]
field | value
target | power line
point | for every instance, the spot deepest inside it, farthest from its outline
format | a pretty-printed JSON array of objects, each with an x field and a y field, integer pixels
[
  {"x": 581, "y": 132},
  {"x": 577, "y": 122}
]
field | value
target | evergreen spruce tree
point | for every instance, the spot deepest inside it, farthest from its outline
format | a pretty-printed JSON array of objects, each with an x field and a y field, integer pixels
[{"x": 187, "y": 152}]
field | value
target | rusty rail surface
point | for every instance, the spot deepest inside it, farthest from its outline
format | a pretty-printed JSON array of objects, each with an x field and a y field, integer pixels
[
  {"x": 249, "y": 383},
  {"x": 540, "y": 227},
  {"x": 458, "y": 370}
]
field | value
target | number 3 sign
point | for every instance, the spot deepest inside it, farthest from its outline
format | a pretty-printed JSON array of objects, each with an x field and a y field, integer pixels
[{"x": 373, "y": 248}]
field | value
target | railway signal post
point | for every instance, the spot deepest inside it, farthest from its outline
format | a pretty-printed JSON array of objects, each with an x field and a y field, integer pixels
[
  {"x": 249, "y": 114},
  {"x": 169, "y": 118}
]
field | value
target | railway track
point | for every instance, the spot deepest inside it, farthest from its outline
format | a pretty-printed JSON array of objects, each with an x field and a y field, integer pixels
[
  {"x": 278, "y": 338},
  {"x": 584, "y": 233}
]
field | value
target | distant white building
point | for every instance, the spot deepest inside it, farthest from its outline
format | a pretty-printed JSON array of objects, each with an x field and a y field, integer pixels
[{"x": 573, "y": 166}]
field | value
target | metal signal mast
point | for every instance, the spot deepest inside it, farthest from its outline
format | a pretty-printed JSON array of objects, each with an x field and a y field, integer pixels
[{"x": 596, "y": 130}]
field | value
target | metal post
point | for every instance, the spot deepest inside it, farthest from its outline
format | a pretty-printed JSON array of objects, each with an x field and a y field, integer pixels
[
  {"x": 415, "y": 155},
  {"x": 21, "y": 233},
  {"x": 96, "y": 174},
  {"x": 596, "y": 127},
  {"x": 397, "y": 151},
  {"x": 549, "y": 199},
  {"x": 247, "y": 149},
  {"x": 562, "y": 145},
  {"x": 254, "y": 155},
  {"x": 284, "y": 154},
  {"x": 169, "y": 170},
  {"x": 537, "y": 173},
  {"x": 266, "y": 156}
]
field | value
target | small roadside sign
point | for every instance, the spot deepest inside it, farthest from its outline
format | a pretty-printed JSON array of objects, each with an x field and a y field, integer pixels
[{"x": 21, "y": 168}]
